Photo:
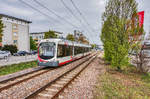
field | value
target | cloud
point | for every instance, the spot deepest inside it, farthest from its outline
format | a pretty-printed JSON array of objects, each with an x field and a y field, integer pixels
[
  {"x": 15, "y": 10},
  {"x": 102, "y": 2},
  {"x": 91, "y": 10},
  {"x": 12, "y": 1}
]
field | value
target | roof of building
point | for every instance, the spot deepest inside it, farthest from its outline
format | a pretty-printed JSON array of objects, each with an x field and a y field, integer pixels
[
  {"x": 45, "y": 31},
  {"x": 4, "y": 15}
]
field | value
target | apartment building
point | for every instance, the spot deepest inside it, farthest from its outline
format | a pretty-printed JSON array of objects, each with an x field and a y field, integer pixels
[
  {"x": 16, "y": 32},
  {"x": 37, "y": 36}
]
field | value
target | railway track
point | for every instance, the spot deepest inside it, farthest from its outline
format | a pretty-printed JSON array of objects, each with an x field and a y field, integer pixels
[
  {"x": 52, "y": 89},
  {"x": 21, "y": 74},
  {"x": 5, "y": 84}
]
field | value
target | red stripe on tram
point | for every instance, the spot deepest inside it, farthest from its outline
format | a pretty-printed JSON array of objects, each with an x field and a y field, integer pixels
[{"x": 62, "y": 63}]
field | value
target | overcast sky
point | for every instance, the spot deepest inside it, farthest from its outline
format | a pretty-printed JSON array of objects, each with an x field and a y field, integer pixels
[{"x": 90, "y": 9}]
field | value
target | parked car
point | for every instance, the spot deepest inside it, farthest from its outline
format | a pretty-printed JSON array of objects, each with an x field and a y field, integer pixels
[
  {"x": 9, "y": 53},
  {"x": 4, "y": 54},
  {"x": 21, "y": 53},
  {"x": 33, "y": 52},
  {"x": 146, "y": 53},
  {"x": 132, "y": 52}
]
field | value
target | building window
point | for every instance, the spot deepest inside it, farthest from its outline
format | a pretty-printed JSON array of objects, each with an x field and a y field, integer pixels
[
  {"x": 15, "y": 33},
  {"x": 15, "y": 41},
  {"x": 14, "y": 26}
]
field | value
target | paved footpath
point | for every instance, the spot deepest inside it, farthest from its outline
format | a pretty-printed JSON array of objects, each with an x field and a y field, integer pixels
[{"x": 17, "y": 59}]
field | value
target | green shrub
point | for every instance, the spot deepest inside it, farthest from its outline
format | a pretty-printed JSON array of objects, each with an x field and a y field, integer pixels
[{"x": 11, "y": 48}]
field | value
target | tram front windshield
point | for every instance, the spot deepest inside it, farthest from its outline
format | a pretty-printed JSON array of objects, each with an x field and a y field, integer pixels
[{"x": 47, "y": 50}]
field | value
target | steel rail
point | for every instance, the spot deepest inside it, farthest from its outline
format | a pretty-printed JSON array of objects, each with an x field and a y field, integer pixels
[
  {"x": 21, "y": 75},
  {"x": 33, "y": 94},
  {"x": 22, "y": 80},
  {"x": 25, "y": 74},
  {"x": 66, "y": 85}
]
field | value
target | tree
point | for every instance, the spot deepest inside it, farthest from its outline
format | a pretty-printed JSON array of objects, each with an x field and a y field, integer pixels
[
  {"x": 11, "y": 48},
  {"x": 70, "y": 37},
  {"x": 1, "y": 29},
  {"x": 93, "y": 46},
  {"x": 50, "y": 34},
  {"x": 33, "y": 45},
  {"x": 83, "y": 39},
  {"x": 115, "y": 32}
]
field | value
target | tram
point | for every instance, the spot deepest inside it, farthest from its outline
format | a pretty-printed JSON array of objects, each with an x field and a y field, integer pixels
[{"x": 58, "y": 52}]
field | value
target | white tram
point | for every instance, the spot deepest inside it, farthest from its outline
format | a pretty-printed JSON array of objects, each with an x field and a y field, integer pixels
[{"x": 57, "y": 52}]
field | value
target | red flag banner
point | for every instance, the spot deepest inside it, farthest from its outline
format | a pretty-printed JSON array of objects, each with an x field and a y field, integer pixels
[{"x": 141, "y": 18}]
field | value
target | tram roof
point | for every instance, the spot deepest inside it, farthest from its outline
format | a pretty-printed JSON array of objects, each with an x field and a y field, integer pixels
[{"x": 65, "y": 42}]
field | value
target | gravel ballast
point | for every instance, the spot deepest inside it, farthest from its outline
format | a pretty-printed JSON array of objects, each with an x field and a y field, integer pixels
[
  {"x": 83, "y": 86},
  {"x": 21, "y": 90}
]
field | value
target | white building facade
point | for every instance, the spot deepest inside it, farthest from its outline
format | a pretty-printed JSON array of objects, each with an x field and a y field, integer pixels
[{"x": 16, "y": 32}]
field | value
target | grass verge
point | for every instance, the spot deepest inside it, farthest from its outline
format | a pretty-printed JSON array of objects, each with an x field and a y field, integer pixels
[
  {"x": 128, "y": 84},
  {"x": 17, "y": 67}
]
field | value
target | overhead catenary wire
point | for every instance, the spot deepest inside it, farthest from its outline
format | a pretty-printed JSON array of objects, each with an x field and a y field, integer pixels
[
  {"x": 49, "y": 17},
  {"x": 53, "y": 12},
  {"x": 81, "y": 15},
  {"x": 70, "y": 10},
  {"x": 78, "y": 19}
]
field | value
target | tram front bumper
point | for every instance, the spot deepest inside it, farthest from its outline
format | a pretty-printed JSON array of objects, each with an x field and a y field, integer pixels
[{"x": 49, "y": 64}]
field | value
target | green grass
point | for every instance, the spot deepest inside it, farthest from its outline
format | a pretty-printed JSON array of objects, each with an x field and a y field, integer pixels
[
  {"x": 17, "y": 67},
  {"x": 146, "y": 77},
  {"x": 123, "y": 85}
]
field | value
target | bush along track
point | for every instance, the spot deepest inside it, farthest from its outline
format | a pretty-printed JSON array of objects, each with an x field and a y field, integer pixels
[
  {"x": 128, "y": 84},
  {"x": 16, "y": 67}
]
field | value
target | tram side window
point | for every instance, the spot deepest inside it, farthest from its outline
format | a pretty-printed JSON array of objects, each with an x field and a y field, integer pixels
[
  {"x": 60, "y": 51},
  {"x": 64, "y": 50},
  {"x": 85, "y": 49},
  {"x": 67, "y": 51},
  {"x": 75, "y": 50},
  {"x": 89, "y": 49},
  {"x": 70, "y": 50},
  {"x": 79, "y": 50}
]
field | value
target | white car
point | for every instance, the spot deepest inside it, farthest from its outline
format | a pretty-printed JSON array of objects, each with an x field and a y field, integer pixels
[
  {"x": 4, "y": 54},
  {"x": 147, "y": 53}
]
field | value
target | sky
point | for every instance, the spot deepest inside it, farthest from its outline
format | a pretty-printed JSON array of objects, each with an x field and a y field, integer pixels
[{"x": 88, "y": 21}]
